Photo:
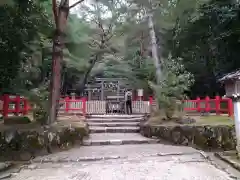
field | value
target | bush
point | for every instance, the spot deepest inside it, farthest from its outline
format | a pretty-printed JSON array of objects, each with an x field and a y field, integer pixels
[
  {"x": 175, "y": 81},
  {"x": 38, "y": 98}
]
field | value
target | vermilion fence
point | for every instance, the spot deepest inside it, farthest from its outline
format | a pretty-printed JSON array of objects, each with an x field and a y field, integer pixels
[
  {"x": 75, "y": 105},
  {"x": 18, "y": 105},
  {"x": 218, "y": 105},
  {"x": 13, "y": 105}
]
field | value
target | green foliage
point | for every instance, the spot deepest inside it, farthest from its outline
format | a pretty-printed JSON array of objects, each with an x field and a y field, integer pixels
[
  {"x": 111, "y": 39},
  {"x": 175, "y": 82},
  {"x": 208, "y": 41},
  {"x": 38, "y": 98},
  {"x": 20, "y": 25}
]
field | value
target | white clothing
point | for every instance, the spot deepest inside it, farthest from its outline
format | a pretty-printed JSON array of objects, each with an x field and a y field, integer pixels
[{"x": 127, "y": 94}]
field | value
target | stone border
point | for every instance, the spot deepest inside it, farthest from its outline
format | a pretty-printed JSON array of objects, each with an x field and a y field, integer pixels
[
  {"x": 5, "y": 166},
  {"x": 228, "y": 161},
  {"x": 25, "y": 145},
  {"x": 207, "y": 137}
]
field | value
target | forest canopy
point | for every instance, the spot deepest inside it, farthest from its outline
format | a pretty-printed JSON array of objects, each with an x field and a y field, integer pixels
[{"x": 203, "y": 34}]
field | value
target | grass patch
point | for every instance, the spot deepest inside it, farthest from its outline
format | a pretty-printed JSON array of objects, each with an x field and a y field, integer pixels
[
  {"x": 215, "y": 120},
  {"x": 17, "y": 120},
  {"x": 200, "y": 120},
  {"x": 27, "y": 125}
]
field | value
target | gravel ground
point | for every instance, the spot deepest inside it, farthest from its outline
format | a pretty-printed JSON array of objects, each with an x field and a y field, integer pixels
[{"x": 128, "y": 162}]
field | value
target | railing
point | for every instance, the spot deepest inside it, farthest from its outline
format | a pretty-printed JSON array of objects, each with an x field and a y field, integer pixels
[
  {"x": 74, "y": 106},
  {"x": 16, "y": 105},
  {"x": 218, "y": 105},
  {"x": 139, "y": 107},
  {"x": 96, "y": 107}
]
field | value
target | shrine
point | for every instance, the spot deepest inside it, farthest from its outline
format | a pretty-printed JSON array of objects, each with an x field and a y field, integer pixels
[
  {"x": 111, "y": 90},
  {"x": 106, "y": 88},
  {"x": 107, "y": 95}
]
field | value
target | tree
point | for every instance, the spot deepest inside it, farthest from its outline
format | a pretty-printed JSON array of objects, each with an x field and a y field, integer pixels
[
  {"x": 105, "y": 36},
  {"x": 173, "y": 86},
  {"x": 208, "y": 42},
  {"x": 140, "y": 27},
  {"x": 19, "y": 27},
  {"x": 60, "y": 13}
]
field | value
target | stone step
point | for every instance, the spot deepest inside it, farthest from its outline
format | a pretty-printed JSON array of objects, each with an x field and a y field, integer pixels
[
  {"x": 115, "y": 116},
  {"x": 123, "y": 129},
  {"x": 114, "y": 124},
  {"x": 108, "y": 120},
  {"x": 117, "y": 139}
]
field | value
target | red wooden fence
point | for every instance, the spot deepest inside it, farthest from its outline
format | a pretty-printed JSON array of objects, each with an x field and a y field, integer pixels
[
  {"x": 218, "y": 105},
  {"x": 20, "y": 103},
  {"x": 78, "y": 105},
  {"x": 75, "y": 105}
]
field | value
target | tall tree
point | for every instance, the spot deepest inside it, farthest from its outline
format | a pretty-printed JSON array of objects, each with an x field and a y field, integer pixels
[
  {"x": 22, "y": 23},
  {"x": 106, "y": 33},
  {"x": 208, "y": 43},
  {"x": 60, "y": 12}
]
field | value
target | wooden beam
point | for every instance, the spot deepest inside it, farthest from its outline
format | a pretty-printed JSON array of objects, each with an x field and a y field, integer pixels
[{"x": 110, "y": 79}]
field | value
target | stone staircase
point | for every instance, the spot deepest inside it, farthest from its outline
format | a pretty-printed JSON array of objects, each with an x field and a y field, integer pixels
[
  {"x": 115, "y": 130},
  {"x": 114, "y": 124}
]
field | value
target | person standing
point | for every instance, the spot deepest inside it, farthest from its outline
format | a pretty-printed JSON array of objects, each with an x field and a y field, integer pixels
[{"x": 128, "y": 101}]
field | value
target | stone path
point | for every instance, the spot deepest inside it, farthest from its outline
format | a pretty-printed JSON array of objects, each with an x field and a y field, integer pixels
[{"x": 113, "y": 155}]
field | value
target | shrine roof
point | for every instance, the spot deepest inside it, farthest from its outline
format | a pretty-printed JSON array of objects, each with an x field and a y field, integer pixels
[
  {"x": 109, "y": 79},
  {"x": 235, "y": 75}
]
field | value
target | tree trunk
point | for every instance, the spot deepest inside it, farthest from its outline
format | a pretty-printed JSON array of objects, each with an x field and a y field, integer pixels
[
  {"x": 57, "y": 57},
  {"x": 86, "y": 74},
  {"x": 154, "y": 46}
]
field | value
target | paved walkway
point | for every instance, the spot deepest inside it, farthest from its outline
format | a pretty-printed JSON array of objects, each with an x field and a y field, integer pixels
[
  {"x": 137, "y": 160},
  {"x": 124, "y": 162}
]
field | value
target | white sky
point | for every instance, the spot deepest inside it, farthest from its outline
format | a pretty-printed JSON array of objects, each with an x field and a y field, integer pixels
[
  {"x": 88, "y": 3},
  {"x": 76, "y": 8}
]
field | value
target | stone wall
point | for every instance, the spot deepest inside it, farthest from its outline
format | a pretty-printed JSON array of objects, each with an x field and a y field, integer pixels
[
  {"x": 203, "y": 137},
  {"x": 24, "y": 145}
]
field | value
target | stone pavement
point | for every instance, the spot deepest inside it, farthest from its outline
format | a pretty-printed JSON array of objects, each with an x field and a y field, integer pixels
[
  {"x": 86, "y": 153},
  {"x": 123, "y": 156},
  {"x": 192, "y": 166}
]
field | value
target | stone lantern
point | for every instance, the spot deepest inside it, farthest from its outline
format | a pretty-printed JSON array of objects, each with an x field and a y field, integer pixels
[{"x": 231, "y": 83}]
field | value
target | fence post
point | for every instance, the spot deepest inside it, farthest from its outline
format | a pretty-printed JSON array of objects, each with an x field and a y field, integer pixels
[
  {"x": 207, "y": 104},
  {"x": 217, "y": 105},
  {"x": 66, "y": 101},
  {"x": 25, "y": 106},
  {"x": 198, "y": 104},
  {"x": 150, "y": 100},
  {"x": 5, "y": 105},
  {"x": 230, "y": 107},
  {"x": 84, "y": 101},
  {"x": 17, "y": 105}
]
